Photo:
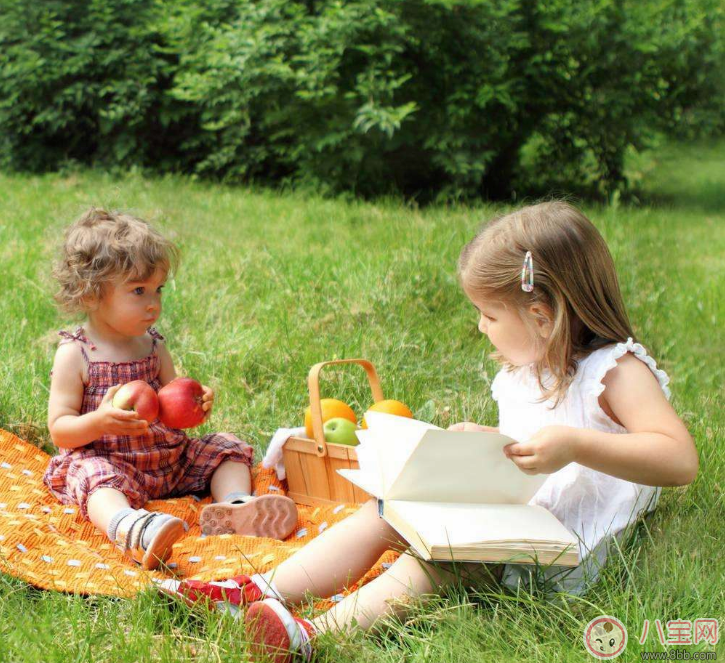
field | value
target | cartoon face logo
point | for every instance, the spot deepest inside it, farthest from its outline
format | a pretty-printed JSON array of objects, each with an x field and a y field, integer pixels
[{"x": 605, "y": 637}]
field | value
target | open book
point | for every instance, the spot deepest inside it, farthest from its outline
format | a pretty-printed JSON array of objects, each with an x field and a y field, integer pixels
[{"x": 455, "y": 495}]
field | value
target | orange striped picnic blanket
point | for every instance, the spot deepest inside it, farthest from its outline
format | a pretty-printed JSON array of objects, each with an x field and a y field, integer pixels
[{"x": 50, "y": 546}]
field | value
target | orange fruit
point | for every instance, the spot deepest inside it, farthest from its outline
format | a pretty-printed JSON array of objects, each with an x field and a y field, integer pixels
[
  {"x": 331, "y": 409},
  {"x": 389, "y": 407}
]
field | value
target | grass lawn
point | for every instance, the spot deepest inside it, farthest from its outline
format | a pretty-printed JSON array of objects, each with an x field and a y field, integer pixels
[{"x": 270, "y": 284}]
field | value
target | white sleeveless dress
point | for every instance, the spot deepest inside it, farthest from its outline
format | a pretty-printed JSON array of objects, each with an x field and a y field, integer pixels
[{"x": 594, "y": 506}]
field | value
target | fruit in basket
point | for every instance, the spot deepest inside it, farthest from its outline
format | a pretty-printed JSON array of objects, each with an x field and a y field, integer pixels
[
  {"x": 138, "y": 396},
  {"x": 331, "y": 409},
  {"x": 180, "y": 403},
  {"x": 340, "y": 431},
  {"x": 389, "y": 407}
]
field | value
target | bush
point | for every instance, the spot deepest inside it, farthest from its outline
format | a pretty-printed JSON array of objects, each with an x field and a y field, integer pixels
[
  {"x": 83, "y": 80},
  {"x": 431, "y": 98}
]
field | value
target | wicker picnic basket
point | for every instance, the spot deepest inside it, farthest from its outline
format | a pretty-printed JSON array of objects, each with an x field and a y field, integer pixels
[{"x": 311, "y": 464}]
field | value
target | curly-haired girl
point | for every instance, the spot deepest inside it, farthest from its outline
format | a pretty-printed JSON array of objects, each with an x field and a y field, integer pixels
[{"x": 113, "y": 269}]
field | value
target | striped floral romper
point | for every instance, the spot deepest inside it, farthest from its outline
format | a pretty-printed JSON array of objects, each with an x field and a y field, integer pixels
[{"x": 163, "y": 462}]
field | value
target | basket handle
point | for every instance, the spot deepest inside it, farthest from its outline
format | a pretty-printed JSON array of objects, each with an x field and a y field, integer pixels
[{"x": 313, "y": 381}]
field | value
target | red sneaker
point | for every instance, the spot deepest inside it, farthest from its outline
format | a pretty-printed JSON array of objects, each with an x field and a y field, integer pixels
[
  {"x": 225, "y": 595},
  {"x": 276, "y": 634}
]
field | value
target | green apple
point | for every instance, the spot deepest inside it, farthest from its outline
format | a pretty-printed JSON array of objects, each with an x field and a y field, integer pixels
[{"x": 340, "y": 431}]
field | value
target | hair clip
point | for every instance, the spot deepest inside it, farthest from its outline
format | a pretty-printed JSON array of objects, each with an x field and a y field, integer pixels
[{"x": 527, "y": 273}]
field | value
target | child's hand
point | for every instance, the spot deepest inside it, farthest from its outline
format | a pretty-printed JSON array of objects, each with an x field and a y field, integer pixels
[
  {"x": 550, "y": 449},
  {"x": 207, "y": 402},
  {"x": 468, "y": 426},
  {"x": 114, "y": 421}
]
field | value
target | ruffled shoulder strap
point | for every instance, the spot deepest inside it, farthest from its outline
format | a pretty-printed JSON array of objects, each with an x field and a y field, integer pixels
[
  {"x": 77, "y": 335},
  {"x": 155, "y": 336},
  {"x": 601, "y": 361},
  {"x": 83, "y": 340},
  {"x": 153, "y": 332}
]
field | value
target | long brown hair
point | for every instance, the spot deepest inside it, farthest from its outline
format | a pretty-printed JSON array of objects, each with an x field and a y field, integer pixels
[{"x": 574, "y": 276}]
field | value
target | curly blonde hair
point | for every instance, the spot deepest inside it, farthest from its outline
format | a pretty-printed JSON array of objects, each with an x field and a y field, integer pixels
[
  {"x": 574, "y": 276},
  {"x": 102, "y": 247}
]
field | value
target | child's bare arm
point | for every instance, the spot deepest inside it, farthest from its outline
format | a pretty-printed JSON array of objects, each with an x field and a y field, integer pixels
[
  {"x": 657, "y": 450},
  {"x": 69, "y": 429},
  {"x": 167, "y": 372}
]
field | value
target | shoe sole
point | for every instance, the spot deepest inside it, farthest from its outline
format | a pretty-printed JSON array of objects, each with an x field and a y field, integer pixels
[
  {"x": 267, "y": 634},
  {"x": 270, "y": 516},
  {"x": 160, "y": 547}
]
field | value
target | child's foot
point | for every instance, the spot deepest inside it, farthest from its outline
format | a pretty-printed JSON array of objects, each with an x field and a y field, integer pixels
[
  {"x": 272, "y": 516},
  {"x": 146, "y": 537},
  {"x": 276, "y": 634},
  {"x": 224, "y": 595}
]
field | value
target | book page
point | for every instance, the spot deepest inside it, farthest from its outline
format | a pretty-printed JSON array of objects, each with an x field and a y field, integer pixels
[
  {"x": 394, "y": 439},
  {"x": 368, "y": 482},
  {"x": 441, "y": 524},
  {"x": 370, "y": 459},
  {"x": 368, "y": 453},
  {"x": 467, "y": 467}
]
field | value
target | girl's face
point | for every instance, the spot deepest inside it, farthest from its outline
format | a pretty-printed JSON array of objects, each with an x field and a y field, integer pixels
[
  {"x": 519, "y": 343},
  {"x": 131, "y": 307}
]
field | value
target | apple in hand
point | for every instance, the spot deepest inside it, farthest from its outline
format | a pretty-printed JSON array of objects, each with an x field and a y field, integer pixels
[
  {"x": 340, "y": 431},
  {"x": 180, "y": 403},
  {"x": 138, "y": 396}
]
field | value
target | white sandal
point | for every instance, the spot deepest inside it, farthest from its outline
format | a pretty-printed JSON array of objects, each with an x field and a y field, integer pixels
[{"x": 129, "y": 538}]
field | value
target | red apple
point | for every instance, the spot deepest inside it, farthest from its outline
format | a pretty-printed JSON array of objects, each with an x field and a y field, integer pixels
[
  {"x": 138, "y": 396},
  {"x": 180, "y": 404}
]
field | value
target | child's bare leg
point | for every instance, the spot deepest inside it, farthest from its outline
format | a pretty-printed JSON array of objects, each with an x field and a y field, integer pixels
[
  {"x": 103, "y": 504},
  {"x": 408, "y": 578},
  {"x": 229, "y": 478},
  {"x": 108, "y": 508},
  {"x": 235, "y": 511},
  {"x": 336, "y": 558}
]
